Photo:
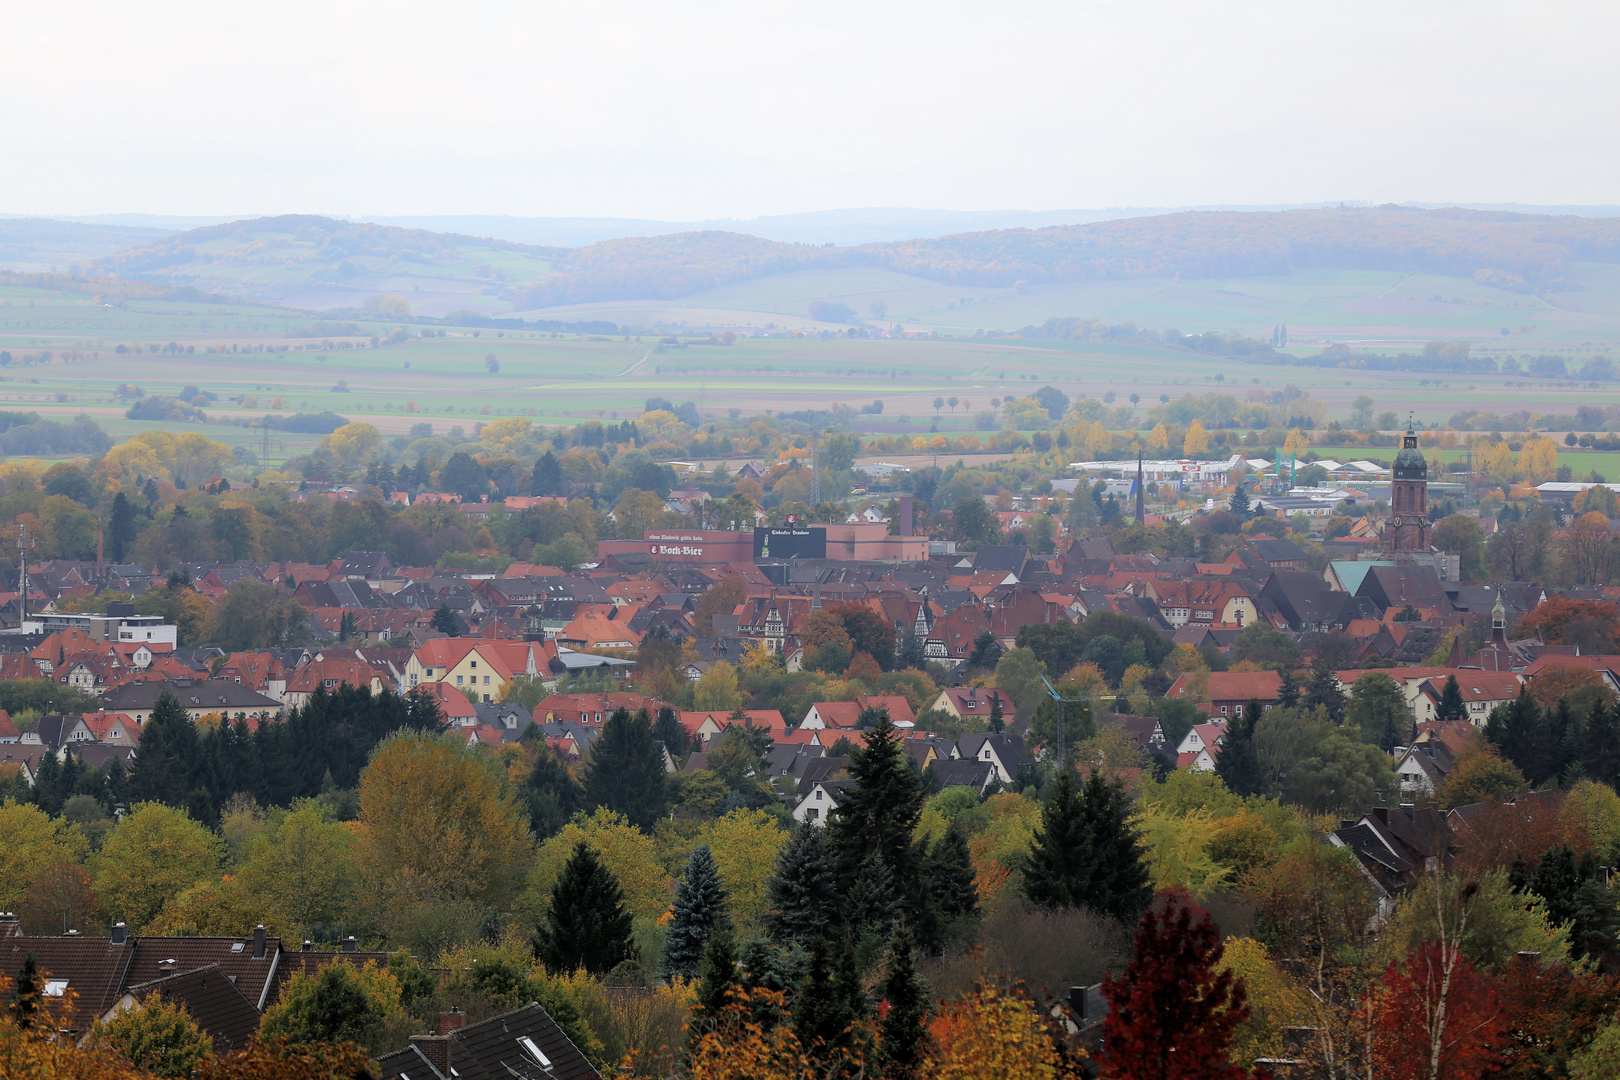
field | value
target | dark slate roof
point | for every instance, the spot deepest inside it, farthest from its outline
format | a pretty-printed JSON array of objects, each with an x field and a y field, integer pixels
[
  {"x": 212, "y": 999},
  {"x": 95, "y": 969},
  {"x": 211, "y": 694},
  {"x": 1001, "y": 557},
  {"x": 254, "y": 977},
  {"x": 964, "y": 773},
  {"x": 496, "y": 1050},
  {"x": 1276, "y": 551}
]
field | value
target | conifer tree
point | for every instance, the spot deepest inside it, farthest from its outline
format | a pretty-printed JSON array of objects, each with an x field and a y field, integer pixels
[
  {"x": 668, "y": 730},
  {"x": 803, "y": 897},
  {"x": 906, "y": 996},
  {"x": 828, "y": 1004},
  {"x": 1238, "y": 764},
  {"x": 1239, "y": 502},
  {"x": 997, "y": 721},
  {"x": 717, "y": 985},
  {"x": 445, "y": 622},
  {"x": 28, "y": 993},
  {"x": 872, "y": 904},
  {"x": 699, "y": 914},
  {"x": 550, "y": 792},
  {"x": 1087, "y": 853},
  {"x": 1323, "y": 691},
  {"x": 1288, "y": 692},
  {"x": 1601, "y": 758},
  {"x": 627, "y": 771},
  {"x": 879, "y": 813},
  {"x": 588, "y": 924},
  {"x": 120, "y": 527},
  {"x": 1171, "y": 1016},
  {"x": 953, "y": 888},
  {"x": 548, "y": 476},
  {"x": 167, "y": 762},
  {"x": 1451, "y": 701}
]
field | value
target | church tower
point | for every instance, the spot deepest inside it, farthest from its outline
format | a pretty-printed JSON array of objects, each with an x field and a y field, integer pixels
[{"x": 1407, "y": 529}]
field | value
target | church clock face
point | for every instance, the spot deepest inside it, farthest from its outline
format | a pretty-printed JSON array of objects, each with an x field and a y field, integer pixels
[{"x": 1396, "y": 522}]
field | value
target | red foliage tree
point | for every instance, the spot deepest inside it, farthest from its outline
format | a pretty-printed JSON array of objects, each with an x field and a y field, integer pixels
[
  {"x": 1437, "y": 1018},
  {"x": 1559, "y": 619},
  {"x": 1551, "y": 1011},
  {"x": 1172, "y": 1017}
]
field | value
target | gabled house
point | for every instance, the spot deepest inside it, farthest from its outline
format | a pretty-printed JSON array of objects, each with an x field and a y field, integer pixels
[
  {"x": 524, "y": 1044},
  {"x": 844, "y": 715},
  {"x": 972, "y": 703},
  {"x": 1005, "y": 752},
  {"x": 1229, "y": 692}
]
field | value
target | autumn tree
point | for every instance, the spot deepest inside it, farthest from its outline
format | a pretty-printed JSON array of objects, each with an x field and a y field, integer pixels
[
  {"x": 156, "y": 852},
  {"x": 1174, "y": 1012},
  {"x": 159, "y": 1036},
  {"x": 339, "y": 1003}
]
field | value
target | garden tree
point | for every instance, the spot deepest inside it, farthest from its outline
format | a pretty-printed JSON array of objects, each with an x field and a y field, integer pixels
[
  {"x": 1451, "y": 701},
  {"x": 1600, "y": 757},
  {"x": 464, "y": 476},
  {"x": 550, "y": 791},
  {"x": 155, "y": 852},
  {"x": 1479, "y": 776},
  {"x": 254, "y": 615},
  {"x": 440, "y": 829},
  {"x": 28, "y": 994},
  {"x": 1288, "y": 692},
  {"x": 667, "y": 729},
  {"x": 120, "y": 527},
  {"x": 587, "y": 925},
  {"x": 336, "y": 1004},
  {"x": 168, "y": 758},
  {"x": 61, "y": 896},
  {"x": 900, "y": 1033},
  {"x": 1436, "y": 1017},
  {"x": 626, "y": 773},
  {"x": 803, "y": 894},
  {"x": 1307, "y": 760},
  {"x": 302, "y": 864},
  {"x": 1083, "y": 512},
  {"x": 879, "y": 813},
  {"x": 869, "y": 632},
  {"x": 1065, "y": 723},
  {"x": 1573, "y": 894},
  {"x": 445, "y": 621},
  {"x": 1323, "y": 690},
  {"x": 1239, "y": 502},
  {"x": 1476, "y": 916},
  {"x": 547, "y": 478},
  {"x": 1174, "y": 1012},
  {"x": 1378, "y": 708},
  {"x": 699, "y": 913},
  {"x": 872, "y": 905},
  {"x": 1196, "y": 441},
  {"x": 158, "y": 1036},
  {"x": 997, "y": 715},
  {"x": 1019, "y": 673},
  {"x": 1086, "y": 852},
  {"x": 737, "y": 512},
  {"x": 220, "y": 908},
  {"x": 629, "y": 854},
  {"x": 987, "y": 652},
  {"x": 972, "y": 523},
  {"x": 717, "y": 690},
  {"x": 1266, "y": 646},
  {"x": 30, "y": 842},
  {"x": 1541, "y": 743},
  {"x": 719, "y": 986},
  {"x": 1237, "y": 764},
  {"x": 721, "y": 598},
  {"x": 1462, "y": 536},
  {"x": 1042, "y": 534},
  {"x": 1561, "y": 621},
  {"x": 953, "y": 892}
]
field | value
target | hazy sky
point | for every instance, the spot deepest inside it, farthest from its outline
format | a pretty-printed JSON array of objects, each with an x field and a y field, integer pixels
[{"x": 712, "y": 109}]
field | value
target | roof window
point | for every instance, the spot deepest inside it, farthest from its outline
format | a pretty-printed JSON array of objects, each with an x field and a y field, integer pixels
[{"x": 528, "y": 1044}]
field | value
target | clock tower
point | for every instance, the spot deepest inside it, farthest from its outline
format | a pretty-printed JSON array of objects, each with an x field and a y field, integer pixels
[{"x": 1407, "y": 529}]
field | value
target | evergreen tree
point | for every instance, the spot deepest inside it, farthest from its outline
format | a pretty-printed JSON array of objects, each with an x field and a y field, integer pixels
[
  {"x": 1451, "y": 701},
  {"x": 699, "y": 914},
  {"x": 803, "y": 892},
  {"x": 879, "y": 813},
  {"x": 120, "y": 527},
  {"x": 445, "y": 621},
  {"x": 1323, "y": 691},
  {"x": 627, "y": 771},
  {"x": 588, "y": 924},
  {"x": 901, "y": 1032},
  {"x": 828, "y": 1005},
  {"x": 47, "y": 791},
  {"x": 28, "y": 993},
  {"x": 168, "y": 760},
  {"x": 550, "y": 792},
  {"x": 1288, "y": 692},
  {"x": 872, "y": 905},
  {"x": 716, "y": 987},
  {"x": 987, "y": 652},
  {"x": 1087, "y": 853},
  {"x": 1238, "y": 764},
  {"x": 1239, "y": 502},
  {"x": 908, "y": 649},
  {"x": 548, "y": 476},
  {"x": 1601, "y": 759},
  {"x": 953, "y": 888},
  {"x": 668, "y": 730},
  {"x": 776, "y": 968},
  {"x": 1515, "y": 730},
  {"x": 997, "y": 721}
]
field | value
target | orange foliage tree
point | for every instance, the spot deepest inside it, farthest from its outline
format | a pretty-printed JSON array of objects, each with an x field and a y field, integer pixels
[
  {"x": 992, "y": 1033},
  {"x": 1562, "y": 680},
  {"x": 1560, "y": 620}
]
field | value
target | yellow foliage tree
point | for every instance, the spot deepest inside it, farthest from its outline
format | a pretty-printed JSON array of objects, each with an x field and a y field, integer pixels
[
  {"x": 219, "y": 909},
  {"x": 30, "y": 841},
  {"x": 717, "y": 689},
  {"x": 991, "y": 1033},
  {"x": 1275, "y": 1002},
  {"x": 1197, "y": 440},
  {"x": 1086, "y": 680},
  {"x": 1538, "y": 461},
  {"x": 1098, "y": 439},
  {"x": 155, "y": 853},
  {"x": 744, "y": 844},
  {"x": 1178, "y": 851},
  {"x": 1159, "y": 438},
  {"x": 659, "y": 424},
  {"x": 508, "y": 435},
  {"x": 354, "y": 444},
  {"x": 1296, "y": 442},
  {"x": 1497, "y": 462}
]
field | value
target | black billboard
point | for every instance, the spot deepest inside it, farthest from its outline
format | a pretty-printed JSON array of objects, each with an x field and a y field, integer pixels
[{"x": 791, "y": 542}]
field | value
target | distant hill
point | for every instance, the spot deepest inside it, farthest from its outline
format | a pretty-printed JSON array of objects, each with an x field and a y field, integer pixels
[
  {"x": 322, "y": 262},
  {"x": 44, "y": 244}
]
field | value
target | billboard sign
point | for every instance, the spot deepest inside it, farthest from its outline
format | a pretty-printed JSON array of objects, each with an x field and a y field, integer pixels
[{"x": 792, "y": 542}]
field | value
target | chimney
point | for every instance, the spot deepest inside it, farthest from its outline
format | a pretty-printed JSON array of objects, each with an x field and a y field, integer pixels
[
  {"x": 436, "y": 1048},
  {"x": 120, "y": 933},
  {"x": 309, "y": 945},
  {"x": 258, "y": 942},
  {"x": 350, "y": 945},
  {"x": 168, "y": 965},
  {"x": 454, "y": 1020}
]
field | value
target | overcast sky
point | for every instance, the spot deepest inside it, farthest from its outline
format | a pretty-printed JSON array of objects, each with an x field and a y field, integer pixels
[{"x": 710, "y": 108}]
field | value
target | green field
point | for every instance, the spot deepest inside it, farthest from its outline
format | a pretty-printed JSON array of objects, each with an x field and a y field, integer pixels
[{"x": 564, "y": 378}]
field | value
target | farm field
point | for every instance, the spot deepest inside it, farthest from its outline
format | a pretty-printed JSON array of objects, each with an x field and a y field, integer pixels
[{"x": 309, "y": 364}]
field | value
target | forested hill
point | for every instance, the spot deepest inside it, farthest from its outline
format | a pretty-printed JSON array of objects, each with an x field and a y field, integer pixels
[{"x": 272, "y": 258}]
